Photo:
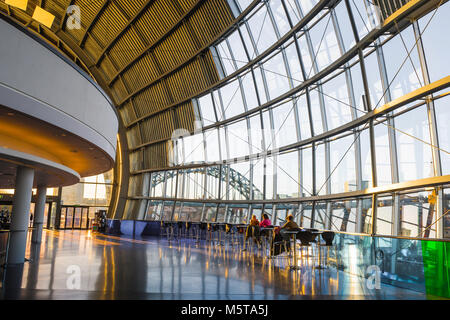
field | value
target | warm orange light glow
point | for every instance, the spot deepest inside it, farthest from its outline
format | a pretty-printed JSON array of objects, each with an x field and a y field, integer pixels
[
  {"x": 43, "y": 17},
  {"x": 38, "y": 140}
]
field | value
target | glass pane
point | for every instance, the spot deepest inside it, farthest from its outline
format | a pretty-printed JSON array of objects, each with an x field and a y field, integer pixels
[
  {"x": 321, "y": 215},
  {"x": 413, "y": 145},
  {"x": 210, "y": 212},
  {"x": 262, "y": 29},
  {"x": 384, "y": 216},
  {"x": 288, "y": 184},
  {"x": 418, "y": 216},
  {"x": 436, "y": 50},
  {"x": 306, "y": 213},
  {"x": 443, "y": 128},
  {"x": 77, "y": 218},
  {"x": 238, "y": 213}
]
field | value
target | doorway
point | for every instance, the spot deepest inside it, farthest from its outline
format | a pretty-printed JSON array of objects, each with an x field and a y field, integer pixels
[{"x": 74, "y": 217}]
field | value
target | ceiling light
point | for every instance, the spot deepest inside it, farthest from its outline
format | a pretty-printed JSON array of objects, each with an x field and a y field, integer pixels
[
  {"x": 21, "y": 4},
  {"x": 43, "y": 17}
]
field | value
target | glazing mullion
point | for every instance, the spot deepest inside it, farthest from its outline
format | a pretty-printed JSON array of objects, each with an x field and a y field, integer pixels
[
  {"x": 392, "y": 138},
  {"x": 175, "y": 197},
  {"x": 368, "y": 108},
  {"x": 430, "y": 103},
  {"x": 274, "y": 143},
  {"x": 324, "y": 121},
  {"x": 230, "y": 50},
  {"x": 294, "y": 100},
  {"x": 260, "y": 111},
  {"x": 357, "y": 144},
  {"x": 437, "y": 165}
]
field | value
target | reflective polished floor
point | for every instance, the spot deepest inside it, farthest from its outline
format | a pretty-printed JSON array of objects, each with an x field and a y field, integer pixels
[{"x": 84, "y": 265}]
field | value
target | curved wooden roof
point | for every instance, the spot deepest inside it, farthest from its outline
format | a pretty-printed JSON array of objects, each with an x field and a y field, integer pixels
[{"x": 148, "y": 55}]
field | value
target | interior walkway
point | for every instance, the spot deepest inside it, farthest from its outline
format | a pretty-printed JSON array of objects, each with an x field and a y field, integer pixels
[{"x": 112, "y": 267}]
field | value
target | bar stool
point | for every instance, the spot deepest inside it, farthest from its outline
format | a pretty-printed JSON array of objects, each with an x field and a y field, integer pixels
[
  {"x": 179, "y": 226},
  {"x": 283, "y": 242},
  {"x": 187, "y": 230},
  {"x": 221, "y": 228},
  {"x": 195, "y": 230},
  {"x": 292, "y": 236},
  {"x": 202, "y": 229},
  {"x": 170, "y": 231},
  {"x": 305, "y": 237},
  {"x": 240, "y": 234},
  {"x": 252, "y": 238},
  {"x": 266, "y": 238},
  {"x": 162, "y": 229},
  {"x": 230, "y": 232},
  {"x": 212, "y": 231},
  {"x": 328, "y": 237}
]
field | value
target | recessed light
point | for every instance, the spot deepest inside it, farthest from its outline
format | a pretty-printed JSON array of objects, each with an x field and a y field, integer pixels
[
  {"x": 10, "y": 114},
  {"x": 63, "y": 135}
]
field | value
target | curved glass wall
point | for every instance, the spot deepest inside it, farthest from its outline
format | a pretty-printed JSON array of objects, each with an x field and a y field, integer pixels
[{"x": 332, "y": 111}]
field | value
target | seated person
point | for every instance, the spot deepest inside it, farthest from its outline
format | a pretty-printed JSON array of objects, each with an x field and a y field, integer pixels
[
  {"x": 265, "y": 221},
  {"x": 264, "y": 224},
  {"x": 253, "y": 229},
  {"x": 290, "y": 224}
]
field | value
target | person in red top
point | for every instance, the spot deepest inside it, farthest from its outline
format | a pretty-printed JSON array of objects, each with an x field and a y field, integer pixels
[{"x": 265, "y": 221}]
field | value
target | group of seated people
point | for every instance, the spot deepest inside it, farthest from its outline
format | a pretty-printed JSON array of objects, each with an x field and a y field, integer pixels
[{"x": 254, "y": 227}]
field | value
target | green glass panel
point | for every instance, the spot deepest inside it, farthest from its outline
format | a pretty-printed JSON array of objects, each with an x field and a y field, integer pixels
[{"x": 436, "y": 261}]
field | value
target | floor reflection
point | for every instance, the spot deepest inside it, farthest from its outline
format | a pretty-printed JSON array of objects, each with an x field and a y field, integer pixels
[{"x": 112, "y": 267}]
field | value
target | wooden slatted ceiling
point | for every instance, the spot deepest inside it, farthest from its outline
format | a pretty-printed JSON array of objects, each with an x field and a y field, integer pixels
[{"x": 147, "y": 51}]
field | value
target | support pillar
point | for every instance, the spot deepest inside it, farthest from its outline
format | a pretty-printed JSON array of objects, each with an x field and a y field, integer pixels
[
  {"x": 20, "y": 215},
  {"x": 39, "y": 211}
]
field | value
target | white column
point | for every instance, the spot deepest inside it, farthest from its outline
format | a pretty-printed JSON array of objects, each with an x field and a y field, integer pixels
[
  {"x": 39, "y": 210},
  {"x": 20, "y": 215}
]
